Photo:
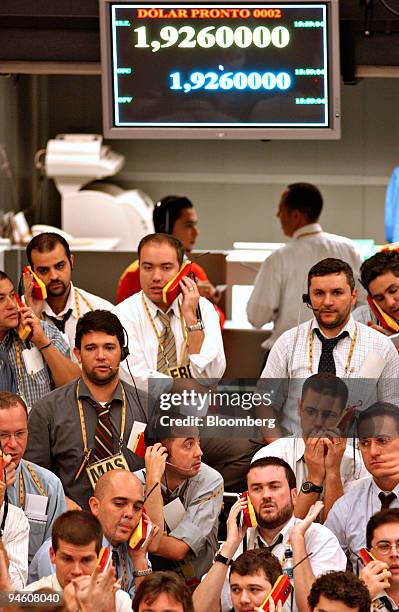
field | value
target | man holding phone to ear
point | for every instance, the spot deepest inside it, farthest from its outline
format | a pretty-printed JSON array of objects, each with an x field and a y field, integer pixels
[{"x": 177, "y": 340}]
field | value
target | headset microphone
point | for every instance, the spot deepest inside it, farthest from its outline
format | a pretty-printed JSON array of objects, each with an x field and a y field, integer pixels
[
  {"x": 178, "y": 467},
  {"x": 308, "y": 303}
]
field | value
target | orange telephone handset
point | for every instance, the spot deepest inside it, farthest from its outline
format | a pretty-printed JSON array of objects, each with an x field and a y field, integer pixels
[
  {"x": 366, "y": 556},
  {"x": 280, "y": 592},
  {"x": 140, "y": 535},
  {"x": 23, "y": 331},
  {"x": 39, "y": 288},
  {"x": 248, "y": 512},
  {"x": 104, "y": 559},
  {"x": 172, "y": 288},
  {"x": 2, "y": 466}
]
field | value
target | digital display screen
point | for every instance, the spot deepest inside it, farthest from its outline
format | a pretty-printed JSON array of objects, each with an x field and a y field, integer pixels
[{"x": 222, "y": 65}]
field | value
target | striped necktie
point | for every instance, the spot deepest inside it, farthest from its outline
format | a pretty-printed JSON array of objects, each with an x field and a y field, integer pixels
[
  {"x": 167, "y": 346},
  {"x": 103, "y": 446}
]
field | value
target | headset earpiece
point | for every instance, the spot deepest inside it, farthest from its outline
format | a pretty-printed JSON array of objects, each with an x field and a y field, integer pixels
[
  {"x": 125, "y": 348},
  {"x": 306, "y": 298}
]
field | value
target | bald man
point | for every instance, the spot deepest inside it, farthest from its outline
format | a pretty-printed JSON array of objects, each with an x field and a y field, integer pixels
[{"x": 118, "y": 504}]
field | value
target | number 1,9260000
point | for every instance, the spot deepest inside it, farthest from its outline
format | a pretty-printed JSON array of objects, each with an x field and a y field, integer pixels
[
  {"x": 18, "y": 598},
  {"x": 239, "y": 81}
]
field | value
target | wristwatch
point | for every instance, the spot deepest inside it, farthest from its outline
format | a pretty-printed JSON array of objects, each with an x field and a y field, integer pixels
[
  {"x": 198, "y": 326},
  {"x": 139, "y": 573},
  {"x": 309, "y": 487},
  {"x": 222, "y": 559}
]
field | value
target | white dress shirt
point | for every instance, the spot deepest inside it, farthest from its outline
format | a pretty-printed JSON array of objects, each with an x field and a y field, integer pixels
[
  {"x": 290, "y": 359},
  {"x": 16, "y": 543},
  {"x": 209, "y": 363},
  {"x": 122, "y": 599},
  {"x": 350, "y": 514},
  {"x": 326, "y": 552},
  {"x": 292, "y": 450},
  {"x": 282, "y": 278},
  {"x": 86, "y": 302}
]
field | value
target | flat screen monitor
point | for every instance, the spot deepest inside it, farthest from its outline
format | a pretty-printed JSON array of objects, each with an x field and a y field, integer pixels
[{"x": 220, "y": 70}]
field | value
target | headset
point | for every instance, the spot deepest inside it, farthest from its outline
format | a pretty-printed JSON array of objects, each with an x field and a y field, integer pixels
[
  {"x": 125, "y": 347},
  {"x": 162, "y": 212}
]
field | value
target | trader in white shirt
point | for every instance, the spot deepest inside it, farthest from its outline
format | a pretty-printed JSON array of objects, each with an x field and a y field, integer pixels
[
  {"x": 331, "y": 342},
  {"x": 378, "y": 433},
  {"x": 180, "y": 340},
  {"x": 14, "y": 533},
  {"x": 281, "y": 279},
  {"x": 324, "y": 464},
  {"x": 50, "y": 258}
]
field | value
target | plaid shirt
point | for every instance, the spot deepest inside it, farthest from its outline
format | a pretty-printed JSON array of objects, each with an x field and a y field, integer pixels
[{"x": 32, "y": 387}]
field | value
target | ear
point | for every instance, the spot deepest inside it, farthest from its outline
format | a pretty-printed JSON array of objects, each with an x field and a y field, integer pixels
[
  {"x": 298, "y": 407},
  {"x": 72, "y": 261},
  {"x": 76, "y": 352},
  {"x": 94, "y": 505},
  {"x": 294, "y": 496},
  {"x": 52, "y": 555},
  {"x": 354, "y": 296}
]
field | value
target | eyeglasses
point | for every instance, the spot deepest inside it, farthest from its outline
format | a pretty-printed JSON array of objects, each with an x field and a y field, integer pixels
[
  {"x": 18, "y": 435},
  {"x": 385, "y": 547},
  {"x": 381, "y": 442}
]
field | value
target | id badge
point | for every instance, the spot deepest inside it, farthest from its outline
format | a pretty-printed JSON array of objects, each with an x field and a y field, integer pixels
[
  {"x": 181, "y": 371},
  {"x": 33, "y": 360},
  {"x": 96, "y": 470}
]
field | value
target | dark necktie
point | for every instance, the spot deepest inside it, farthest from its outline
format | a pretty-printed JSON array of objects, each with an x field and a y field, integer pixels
[
  {"x": 60, "y": 323},
  {"x": 386, "y": 499},
  {"x": 103, "y": 446},
  {"x": 115, "y": 561},
  {"x": 327, "y": 363},
  {"x": 384, "y": 599},
  {"x": 270, "y": 548}
]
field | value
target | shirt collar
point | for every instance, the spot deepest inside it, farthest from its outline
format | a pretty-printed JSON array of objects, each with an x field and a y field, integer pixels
[
  {"x": 311, "y": 228},
  {"x": 349, "y": 327},
  {"x": 70, "y": 303},
  {"x": 174, "y": 307},
  {"x": 376, "y": 489},
  {"x": 284, "y": 531},
  {"x": 85, "y": 392}
]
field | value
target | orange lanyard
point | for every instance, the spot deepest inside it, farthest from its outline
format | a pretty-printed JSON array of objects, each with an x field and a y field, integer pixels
[
  {"x": 351, "y": 349},
  {"x": 21, "y": 484},
  {"x": 78, "y": 295}
]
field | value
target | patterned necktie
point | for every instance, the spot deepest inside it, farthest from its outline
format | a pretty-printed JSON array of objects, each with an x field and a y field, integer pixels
[
  {"x": 60, "y": 323},
  {"x": 103, "y": 446},
  {"x": 167, "y": 347},
  {"x": 327, "y": 363},
  {"x": 386, "y": 499}
]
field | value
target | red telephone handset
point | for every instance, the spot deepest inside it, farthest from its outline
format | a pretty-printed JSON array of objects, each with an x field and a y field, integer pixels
[
  {"x": 280, "y": 592},
  {"x": 172, "y": 289},
  {"x": 39, "y": 288},
  {"x": 2, "y": 466},
  {"x": 104, "y": 559},
  {"x": 23, "y": 331},
  {"x": 366, "y": 556},
  {"x": 248, "y": 512},
  {"x": 140, "y": 535}
]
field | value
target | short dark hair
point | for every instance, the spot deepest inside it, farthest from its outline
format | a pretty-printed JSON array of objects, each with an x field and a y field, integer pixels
[
  {"x": 167, "y": 211},
  {"x": 384, "y": 517},
  {"x": 8, "y": 400},
  {"x": 4, "y": 276},
  {"x": 385, "y": 261},
  {"x": 277, "y": 462},
  {"x": 160, "y": 239},
  {"x": 46, "y": 242},
  {"x": 340, "y": 586},
  {"x": 326, "y": 383},
  {"x": 331, "y": 265},
  {"x": 252, "y": 561},
  {"x": 163, "y": 582},
  {"x": 77, "y": 527},
  {"x": 99, "y": 321},
  {"x": 306, "y": 198},
  {"x": 375, "y": 410}
]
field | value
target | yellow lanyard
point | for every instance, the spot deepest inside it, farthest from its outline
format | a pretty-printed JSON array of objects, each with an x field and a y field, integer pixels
[
  {"x": 21, "y": 484},
  {"x": 123, "y": 561},
  {"x": 151, "y": 320},
  {"x": 78, "y": 295},
  {"x": 351, "y": 349},
  {"x": 86, "y": 450}
]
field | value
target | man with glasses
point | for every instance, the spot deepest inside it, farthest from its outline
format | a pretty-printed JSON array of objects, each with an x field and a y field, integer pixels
[
  {"x": 378, "y": 433},
  {"x": 382, "y": 575},
  {"x": 324, "y": 465},
  {"x": 37, "y": 491}
]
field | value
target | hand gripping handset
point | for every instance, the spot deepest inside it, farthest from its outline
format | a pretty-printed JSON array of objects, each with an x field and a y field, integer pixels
[
  {"x": 280, "y": 592},
  {"x": 104, "y": 559},
  {"x": 39, "y": 288},
  {"x": 2, "y": 466},
  {"x": 366, "y": 556},
  {"x": 140, "y": 535},
  {"x": 24, "y": 332},
  {"x": 247, "y": 516},
  {"x": 172, "y": 289}
]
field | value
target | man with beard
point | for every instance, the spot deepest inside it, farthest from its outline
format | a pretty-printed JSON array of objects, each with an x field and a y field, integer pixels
[
  {"x": 382, "y": 575},
  {"x": 324, "y": 464},
  {"x": 272, "y": 491},
  {"x": 50, "y": 258},
  {"x": 81, "y": 430},
  {"x": 331, "y": 342}
]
